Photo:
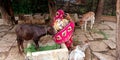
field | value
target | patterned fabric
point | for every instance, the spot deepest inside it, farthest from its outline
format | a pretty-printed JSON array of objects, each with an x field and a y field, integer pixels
[
  {"x": 65, "y": 34},
  {"x": 69, "y": 42},
  {"x": 59, "y": 15}
]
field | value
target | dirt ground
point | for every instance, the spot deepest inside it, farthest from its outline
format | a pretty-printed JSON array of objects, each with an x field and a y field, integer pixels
[{"x": 102, "y": 42}]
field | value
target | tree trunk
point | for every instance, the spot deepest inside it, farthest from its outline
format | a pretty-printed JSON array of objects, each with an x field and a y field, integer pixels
[
  {"x": 118, "y": 28},
  {"x": 7, "y": 12},
  {"x": 52, "y": 9},
  {"x": 99, "y": 9},
  {"x": 4, "y": 16}
]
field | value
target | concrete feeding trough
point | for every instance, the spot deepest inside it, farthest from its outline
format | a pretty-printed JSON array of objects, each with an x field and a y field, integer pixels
[{"x": 56, "y": 54}]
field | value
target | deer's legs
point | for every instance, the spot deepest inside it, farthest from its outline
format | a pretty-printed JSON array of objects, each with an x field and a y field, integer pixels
[
  {"x": 85, "y": 25},
  {"x": 92, "y": 23}
]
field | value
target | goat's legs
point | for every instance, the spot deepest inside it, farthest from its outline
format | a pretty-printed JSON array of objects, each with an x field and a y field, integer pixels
[
  {"x": 82, "y": 27},
  {"x": 20, "y": 44},
  {"x": 36, "y": 43}
]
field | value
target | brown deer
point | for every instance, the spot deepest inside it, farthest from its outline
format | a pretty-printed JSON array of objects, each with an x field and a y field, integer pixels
[{"x": 90, "y": 16}]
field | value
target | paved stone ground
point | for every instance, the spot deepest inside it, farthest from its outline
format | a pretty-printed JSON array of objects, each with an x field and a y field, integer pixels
[{"x": 102, "y": 43}]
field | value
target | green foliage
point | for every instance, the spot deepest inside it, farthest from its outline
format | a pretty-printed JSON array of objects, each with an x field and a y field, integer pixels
[
  {"x": 83, "y": 10},
  {"x": 31, "y": 48},
  {"x": 104, "y": 34},
  {"x": 109, "y": 7},
  {"x": 30, "y": 6},
  {"x": 41, "y": 6},
  {"x": 55, "y": 46},
  {"x": 91, "y": 5},
  {"x": 101, "y": 32}
]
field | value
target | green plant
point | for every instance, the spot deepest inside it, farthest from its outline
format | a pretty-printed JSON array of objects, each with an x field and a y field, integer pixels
[
  {"x": 31, "y": 48},
  {"x": 104, "y": 34},
  {"x": 101, "y": 32},
  {"x": 55, "y": 46}
]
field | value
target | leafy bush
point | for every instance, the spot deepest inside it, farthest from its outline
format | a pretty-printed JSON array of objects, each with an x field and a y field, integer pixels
[{"x": 30, "y": 6}]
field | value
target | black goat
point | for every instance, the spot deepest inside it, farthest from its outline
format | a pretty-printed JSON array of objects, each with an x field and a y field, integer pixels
[{"x": 34, "y": 32}]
